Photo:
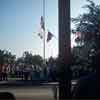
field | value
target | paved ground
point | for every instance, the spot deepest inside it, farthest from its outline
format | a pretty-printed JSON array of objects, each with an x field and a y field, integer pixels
[
  {"x": 24, "y": 90},
  {"x": 31, "y": 93}
]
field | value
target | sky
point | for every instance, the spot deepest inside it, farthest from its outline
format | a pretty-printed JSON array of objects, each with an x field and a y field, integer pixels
[{"x": 20, "y": 25}]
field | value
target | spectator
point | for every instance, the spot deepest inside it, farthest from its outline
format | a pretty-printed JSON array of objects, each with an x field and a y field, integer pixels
[
  {"x": 86, "y": 87},
  {"x": 6, "y": 96},
  {"x": 4, "y": 73}
]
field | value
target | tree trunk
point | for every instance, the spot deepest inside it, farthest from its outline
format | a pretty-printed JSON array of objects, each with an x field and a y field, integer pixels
[{"x": 64, "y": 49}]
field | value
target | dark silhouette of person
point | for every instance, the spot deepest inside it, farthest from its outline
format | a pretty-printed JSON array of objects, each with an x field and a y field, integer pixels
[
  {"x": 86, "y": 87},
  {"x": 5, "y": 76},
  {"x": 96, "y": 65},
  {"x": 7, "y": 96},
  {"x": 26, "y": 73},
  {"x": 4, "y": 73},
  {"x": 1, "y": 76}
]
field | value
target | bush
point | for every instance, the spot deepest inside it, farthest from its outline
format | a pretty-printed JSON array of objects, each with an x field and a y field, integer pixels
[{"x": 12, "y": 75}]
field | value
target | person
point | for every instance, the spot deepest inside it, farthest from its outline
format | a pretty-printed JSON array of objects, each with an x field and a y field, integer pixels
[
  {"x": 26, "y": 73},
  {"x": 96, "y": 65},
  {"x": 17, "y": 71},
  {"x": 86, "y": 87},
  {"x": 1, "y": 76},
  {"x": 7, "y": 96},
  {"x": 4, "y": 73}
]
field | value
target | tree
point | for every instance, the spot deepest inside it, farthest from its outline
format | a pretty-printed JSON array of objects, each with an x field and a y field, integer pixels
[
  {"x": 88, "y": 25},
  {"x": 37, "y": 60},
  {"x": 19, "y": 61},
  {"x": 29, "y": 59},
  {"x": 1, "y": 59},
  {"x": 82, "y": 60},
  {"x": 6, "y": 58},
  {"x": 9, "y": 58},
  {"x": 64, "y": 50}
]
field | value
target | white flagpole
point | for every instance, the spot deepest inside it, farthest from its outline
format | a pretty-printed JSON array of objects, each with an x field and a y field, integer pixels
[{"x": 44, "y": 30}]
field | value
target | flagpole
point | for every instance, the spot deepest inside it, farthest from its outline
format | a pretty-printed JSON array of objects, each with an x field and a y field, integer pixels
[{"x": 44, "y": 30}]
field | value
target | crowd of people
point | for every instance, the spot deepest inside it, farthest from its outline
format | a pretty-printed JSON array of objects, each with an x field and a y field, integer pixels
[{"x": 26, "y": 72}]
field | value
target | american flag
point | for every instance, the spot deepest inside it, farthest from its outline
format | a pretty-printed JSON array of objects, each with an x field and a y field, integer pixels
[{"x": 49, "y": 36}]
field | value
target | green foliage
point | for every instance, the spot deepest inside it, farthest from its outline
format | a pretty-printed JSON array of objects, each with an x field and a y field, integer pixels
[
  {"x": 20, "y": 60},
  {"x": 37, "y": 60},
  {"x": 88, "y": 25},
  {"x": 29, "y": 59},
  {"x": 1, "y": 57},
  {"x": 6, "y": 57}
]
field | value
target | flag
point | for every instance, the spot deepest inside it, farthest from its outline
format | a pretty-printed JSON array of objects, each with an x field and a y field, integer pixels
[
  {"x": 40, "y": 35},
  {"x": 42, "y": 23},
  {"x": 49, "y": 36}
]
